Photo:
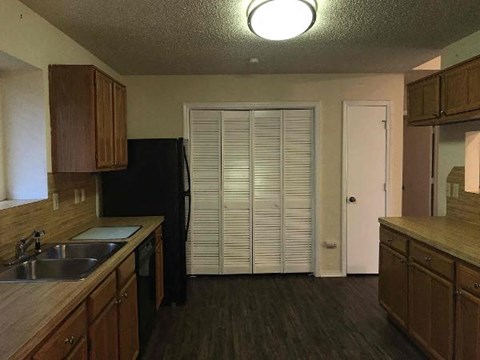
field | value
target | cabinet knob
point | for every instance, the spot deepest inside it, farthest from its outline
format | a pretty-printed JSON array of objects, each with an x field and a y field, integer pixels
[
  {"x": 70, "y": 340},
  {"x": 443, "y": 112},
  {"x": 403, "y": 261},
  {"x": 118, "y": 302},
  {"x": 427, "y": 258},
  {"x": 125, "y": 295},
  {"x": 476, "y": 285}
]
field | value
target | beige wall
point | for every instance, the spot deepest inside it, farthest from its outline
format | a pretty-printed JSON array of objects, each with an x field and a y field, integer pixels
[
  {"x": 155, "y": 109},
  {"x": 451, "y": 145},
  {"x": 30, "y": 38}
]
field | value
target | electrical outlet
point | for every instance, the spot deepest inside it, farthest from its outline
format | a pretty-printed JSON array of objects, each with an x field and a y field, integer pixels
[
  {"x": 76, "y": 193},
  {"x": 56, "y": 201},
  {"x": 455, "y": 190},
  {"x": 82, "y": 195},
  {"x": 448, "y": 190}
]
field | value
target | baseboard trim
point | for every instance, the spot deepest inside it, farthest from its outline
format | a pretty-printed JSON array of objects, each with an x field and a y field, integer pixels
[{"x": 331, "y": 273}]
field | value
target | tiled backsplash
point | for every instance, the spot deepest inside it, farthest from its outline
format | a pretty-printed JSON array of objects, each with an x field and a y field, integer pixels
[
  {"x": 461, "y": 205},
  {"x": 20, "y": 221}
]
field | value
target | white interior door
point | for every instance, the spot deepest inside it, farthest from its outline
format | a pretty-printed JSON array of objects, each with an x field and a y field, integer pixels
[
  {"x": 365, "y": 181},
  {"x": 298, "y": 190},
  {"x": 205, "y": 162},
  {"x": 267, "y": 190},
  {"x": 237, "y": 232}
]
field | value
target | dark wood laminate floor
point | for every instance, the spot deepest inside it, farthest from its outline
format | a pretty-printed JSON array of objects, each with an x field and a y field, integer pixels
[{"x": 279, "y": 317}]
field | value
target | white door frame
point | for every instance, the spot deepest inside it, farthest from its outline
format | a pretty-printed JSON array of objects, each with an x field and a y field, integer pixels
[
  {"x": 346, "y": 104},
  {"x": 315, "y": 106}
]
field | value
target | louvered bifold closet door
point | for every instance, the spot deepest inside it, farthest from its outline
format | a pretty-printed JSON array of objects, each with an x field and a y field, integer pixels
[
  {"x": 237, "y": 242},
  {"x": 297, "y": 190},
  {"x": 267, "y": 189},
  {"x": 205, "y": 136}
]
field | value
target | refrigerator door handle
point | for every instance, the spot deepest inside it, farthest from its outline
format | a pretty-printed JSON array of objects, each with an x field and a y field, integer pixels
[{"x": 188, "y": 192}]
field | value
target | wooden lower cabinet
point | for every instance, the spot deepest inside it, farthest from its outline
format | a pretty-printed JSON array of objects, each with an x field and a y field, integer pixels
[
  {"x": 128, "y": 321},
  {"x": 467, "y": 327},
  {"x": 64, "y": 342},
  {"x": 431, "y": 311},
  {"x": 393, "y": 284},
  {"x": 104, "y": 327},
  {"x": 103, "y": 334},
  {"x": 467, "y": 333}
]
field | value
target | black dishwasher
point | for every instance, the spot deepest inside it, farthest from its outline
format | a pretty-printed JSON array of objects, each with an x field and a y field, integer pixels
[{"x": 145, "y": 269}]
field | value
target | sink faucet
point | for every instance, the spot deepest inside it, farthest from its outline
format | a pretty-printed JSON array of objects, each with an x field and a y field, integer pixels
[{"x": 23, "y": 244}]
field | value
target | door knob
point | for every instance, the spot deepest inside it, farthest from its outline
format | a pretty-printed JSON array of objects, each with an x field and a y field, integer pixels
[{"x": 352, "y": 199}]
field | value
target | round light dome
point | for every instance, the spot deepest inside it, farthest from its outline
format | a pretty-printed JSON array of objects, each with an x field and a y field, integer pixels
[{"x": 281, "y": 19}]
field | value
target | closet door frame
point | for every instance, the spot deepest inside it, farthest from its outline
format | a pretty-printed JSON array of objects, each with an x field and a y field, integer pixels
[{"x": 315, "y": 106}]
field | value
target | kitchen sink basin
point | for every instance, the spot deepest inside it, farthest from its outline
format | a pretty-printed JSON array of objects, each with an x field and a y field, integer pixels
[
  {"x": 97, "y": 251},
  {"x": 50, "y": 270}
]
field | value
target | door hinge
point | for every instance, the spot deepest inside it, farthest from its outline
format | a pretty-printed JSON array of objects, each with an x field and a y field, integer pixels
[
  {"x": 384, "y": 186},
  {"x": 96, "y": 156},
  {"x": 384, "y": 124}
]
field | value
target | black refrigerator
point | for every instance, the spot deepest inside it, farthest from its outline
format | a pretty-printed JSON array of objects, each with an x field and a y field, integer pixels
[{"x": 156, "y": 182}]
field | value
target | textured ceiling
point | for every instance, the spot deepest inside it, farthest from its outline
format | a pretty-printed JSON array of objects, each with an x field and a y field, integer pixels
[{"x": 212, "y": 36}]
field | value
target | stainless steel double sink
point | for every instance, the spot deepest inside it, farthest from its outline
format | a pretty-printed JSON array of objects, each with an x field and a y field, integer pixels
[{"x": 61, "y": 262}]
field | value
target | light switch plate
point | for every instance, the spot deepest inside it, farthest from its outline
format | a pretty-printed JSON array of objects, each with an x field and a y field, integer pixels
[
  {"x": 455, "y": 190},
  {"x": 56, "y": 201},
  {"x": 448, "y": 190}
]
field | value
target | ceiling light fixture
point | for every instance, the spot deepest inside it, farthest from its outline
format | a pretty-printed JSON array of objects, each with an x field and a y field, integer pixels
[{"x": 281, "y": 19}]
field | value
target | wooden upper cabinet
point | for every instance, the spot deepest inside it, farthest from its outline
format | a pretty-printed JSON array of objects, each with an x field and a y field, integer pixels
[
  {"x": 424, "y": 100},
  {"x": 452, "y": 95},
  {"x": 104, "y": 121},
  {"x": 88, "y": 120},
  {"x": 120, "y": 124}
]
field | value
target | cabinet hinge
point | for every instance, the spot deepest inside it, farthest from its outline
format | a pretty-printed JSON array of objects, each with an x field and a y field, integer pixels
[{"x": 384, "y": 186}]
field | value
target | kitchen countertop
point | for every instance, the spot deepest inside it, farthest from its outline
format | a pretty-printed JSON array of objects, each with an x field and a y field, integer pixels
[
  {"x": 457, "y": 238},
  {"x": 30, "y": 311}
]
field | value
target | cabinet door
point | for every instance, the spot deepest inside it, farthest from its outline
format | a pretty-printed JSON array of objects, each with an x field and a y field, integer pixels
[
  {"x": 431, "y": 98},
  {"x": 431, "y": 312},
  {"x": 419, "y": 298},
  {"x": 104, "y": 121},
  {"x": 80, "y": 352},
  {"x": 393, "y": 284},
  {"x": 473, "y": 71},
  {"x": 467, "y": 332},
  {"x": 120, "y": 124},
  {"x": 103, "y": 334},
  {"x": 415, "y": 102},
  {"x": 455, "y": 91},
  {"x": 128, "y": 321}
]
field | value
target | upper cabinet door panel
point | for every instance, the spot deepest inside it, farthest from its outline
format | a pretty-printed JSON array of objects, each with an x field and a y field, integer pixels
[
  {"x": 120, "y": 124},
  {"x": 424, "y": 100},
  {"x": 431, "y": 98},
  {"x": 415, "y": 102},
  {"x": 104, "y": 121},
  {"x": 473, "y": 72},
  {"x": 455, "y": 91}
]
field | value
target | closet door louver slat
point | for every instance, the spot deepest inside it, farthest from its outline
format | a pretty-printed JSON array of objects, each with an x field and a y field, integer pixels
[
  {"x": 297, "y": 190},
  {"x": 237, "y": 250},
  {"x": 267, "y": 189},
  {"x": 206, "y": 177}
]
